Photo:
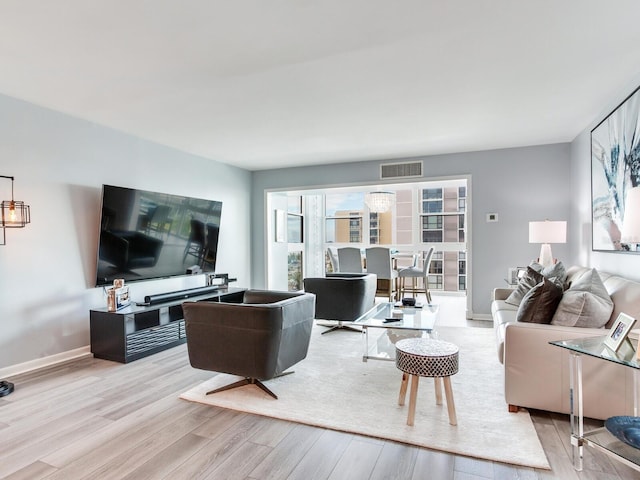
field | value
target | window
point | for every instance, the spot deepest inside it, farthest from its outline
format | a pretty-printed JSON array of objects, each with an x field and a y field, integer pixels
[
  {"x": 432, "y": 200},
  {"x": 344, "y": 217},
  {"x": 432, "y": 228},
  {"x": 462, "y": 271},
  {"x": 294, "y": 271},
  {"x": 437, "y": 263},
  {"x": 294, "y": 219},
  {"x": 461, "y": 229}
]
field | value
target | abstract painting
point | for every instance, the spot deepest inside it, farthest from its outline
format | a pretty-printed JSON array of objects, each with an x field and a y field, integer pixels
[{"x": 615, "y": 168}]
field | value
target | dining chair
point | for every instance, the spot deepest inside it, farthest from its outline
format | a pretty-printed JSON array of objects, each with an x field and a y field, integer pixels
[
  {"x": 350, "y": 260},
  {"x": 333, "y": 258},
  {"x": 379, "y": 262},
  {"x": 414, "y": 273}
]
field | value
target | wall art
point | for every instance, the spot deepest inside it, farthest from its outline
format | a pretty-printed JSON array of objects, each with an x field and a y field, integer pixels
[{"x": 615, "y": 168}]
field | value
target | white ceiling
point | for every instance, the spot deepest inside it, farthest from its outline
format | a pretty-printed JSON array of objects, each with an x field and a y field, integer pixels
[{"x": 273, "y": 83}]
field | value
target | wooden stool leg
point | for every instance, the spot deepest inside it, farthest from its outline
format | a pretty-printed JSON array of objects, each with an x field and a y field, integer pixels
[
  {"x": 403, "y": 389},
  {"x": 437, "y": 381},
  {"x": 412, "y": 400},
  {"x": 451, "y": 406}
]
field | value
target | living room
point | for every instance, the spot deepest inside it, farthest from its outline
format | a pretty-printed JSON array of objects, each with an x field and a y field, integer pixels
[{"x": 60, "y": 159}]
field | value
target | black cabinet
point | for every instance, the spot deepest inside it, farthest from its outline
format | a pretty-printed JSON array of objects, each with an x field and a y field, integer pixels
[{"x": 138, "y": 331}]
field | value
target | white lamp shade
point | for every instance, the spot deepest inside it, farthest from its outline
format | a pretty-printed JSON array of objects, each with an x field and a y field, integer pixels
[
  {"x": 548, "y": 232},
  {"x": 631, "y": 223}
]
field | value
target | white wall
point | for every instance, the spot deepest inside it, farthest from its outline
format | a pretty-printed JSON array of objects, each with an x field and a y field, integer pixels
[
  {"x": 520, "y": 184},
  {"x": 47, "y": 269},
  {"x": 625, "y": 264}
]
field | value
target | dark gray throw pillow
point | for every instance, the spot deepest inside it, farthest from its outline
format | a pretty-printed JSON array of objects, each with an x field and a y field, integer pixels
[
  {"x": 540, "y": 303},
  {"x": 529, "y": 280}
]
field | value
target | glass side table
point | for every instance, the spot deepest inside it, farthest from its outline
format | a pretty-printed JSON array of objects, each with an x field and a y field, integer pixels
[{"x": 600, "y": 438}]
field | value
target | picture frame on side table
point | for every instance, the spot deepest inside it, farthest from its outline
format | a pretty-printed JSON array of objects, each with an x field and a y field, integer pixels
[{"x": 619, "y": 331}]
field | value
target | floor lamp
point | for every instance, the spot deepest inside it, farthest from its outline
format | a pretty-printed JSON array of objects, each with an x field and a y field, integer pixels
[
  {"x": 13, "y": 214},
  {"x": 546, "y": 233}
]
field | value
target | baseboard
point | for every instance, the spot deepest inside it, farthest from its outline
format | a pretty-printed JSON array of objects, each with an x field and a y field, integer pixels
[
  {"x": 482, "y": 316},
  {"x": 49, "y": 361}
]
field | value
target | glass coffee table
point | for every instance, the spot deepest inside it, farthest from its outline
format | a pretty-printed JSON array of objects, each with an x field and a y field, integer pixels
[{"x": 415, "y": 322}]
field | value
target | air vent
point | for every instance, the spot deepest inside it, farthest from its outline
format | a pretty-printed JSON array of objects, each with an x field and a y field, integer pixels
[{"x": 401, "y": 170}]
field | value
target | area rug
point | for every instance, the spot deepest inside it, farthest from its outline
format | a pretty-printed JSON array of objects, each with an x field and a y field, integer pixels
[{"x": 333, "y": 388}]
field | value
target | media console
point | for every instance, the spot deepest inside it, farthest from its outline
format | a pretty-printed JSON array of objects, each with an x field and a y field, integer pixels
[{"x": 137, "y": 331}]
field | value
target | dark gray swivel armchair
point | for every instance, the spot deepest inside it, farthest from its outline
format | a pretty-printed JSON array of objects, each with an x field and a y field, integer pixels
[
  {"x": 257, "y": 339},
  {"x": 342, "y": 297}
]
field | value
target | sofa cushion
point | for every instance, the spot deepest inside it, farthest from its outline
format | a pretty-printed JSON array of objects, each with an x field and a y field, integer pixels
[
  {"x": 530, "y": 279},
  {"x": 585, "y": 304},
  {"x": 540, "y": 303}
]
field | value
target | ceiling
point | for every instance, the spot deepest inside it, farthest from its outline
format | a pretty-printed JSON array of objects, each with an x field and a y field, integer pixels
[{"x": 263, "y": 84}]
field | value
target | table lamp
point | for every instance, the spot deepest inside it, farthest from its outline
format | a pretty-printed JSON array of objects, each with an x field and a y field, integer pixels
[
  {"x": 546, "y": 233},
  {"x": 631, "y": 224}
]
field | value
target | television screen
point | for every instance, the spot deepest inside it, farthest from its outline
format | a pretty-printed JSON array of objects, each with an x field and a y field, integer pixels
[{"x": 145, "y": 235}]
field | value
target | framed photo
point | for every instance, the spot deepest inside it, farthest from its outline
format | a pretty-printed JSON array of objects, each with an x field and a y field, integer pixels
[
  {"x": 515, "y": 274},
  {"x": 619, "y": 331},
  {"x": 614, "y": 170}
]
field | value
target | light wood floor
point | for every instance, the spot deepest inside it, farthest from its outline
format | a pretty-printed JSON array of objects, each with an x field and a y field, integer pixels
[{"x": 96, "y": 419}]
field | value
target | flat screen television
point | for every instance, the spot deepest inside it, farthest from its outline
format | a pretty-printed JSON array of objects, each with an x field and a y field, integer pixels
[{"x": 146, "y": 235}]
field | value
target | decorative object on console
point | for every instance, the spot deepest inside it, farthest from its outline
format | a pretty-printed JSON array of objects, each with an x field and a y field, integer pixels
[
  {"x": 546, "y": 233},
  {"x": 631, "y": 224},
  {"x": 117, "y": 296},
  {"x": 379, "y": 202},
  {"x": 14, "y": 213},
  {"x": 220, "y": 280},
  {"x": 625, "y": 428},
  {"x": 614, "y": 165},
  {"x": 619, "y": 331}
]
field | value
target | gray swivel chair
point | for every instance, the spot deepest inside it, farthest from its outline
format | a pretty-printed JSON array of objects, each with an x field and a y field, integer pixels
[
  {"x": 257, "y": 339},
  {"x": 350, "y": 260},
  {"x": 379, "y": 262},
  {"x": 342, "y": 297},
  {"x": 414, "y": 273}
]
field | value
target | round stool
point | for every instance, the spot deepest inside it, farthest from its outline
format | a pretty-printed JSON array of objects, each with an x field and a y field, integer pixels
[{"x": 423, "y": 357}]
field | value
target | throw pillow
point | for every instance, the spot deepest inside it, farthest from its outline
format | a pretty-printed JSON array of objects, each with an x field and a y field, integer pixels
[
  {"x": 540, "y": 303},
  {"x": 529, "y": 280},
  {"x": 557, "y": 270},
  {"x": 585, "y": 304}
]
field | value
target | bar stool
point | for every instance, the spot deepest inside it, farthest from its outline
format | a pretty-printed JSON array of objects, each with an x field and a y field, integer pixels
[{"x": 423, "y": 357}]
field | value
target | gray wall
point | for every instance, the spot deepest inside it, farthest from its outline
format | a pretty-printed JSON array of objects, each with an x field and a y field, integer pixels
[
  {"x": 48, "y": 268},
  {"x": 520, "y": 184},
  {"x": 625, "y": 264}
]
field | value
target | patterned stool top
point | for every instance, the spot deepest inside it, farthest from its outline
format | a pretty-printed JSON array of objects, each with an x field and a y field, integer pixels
[{"x": 427, "y": 358}]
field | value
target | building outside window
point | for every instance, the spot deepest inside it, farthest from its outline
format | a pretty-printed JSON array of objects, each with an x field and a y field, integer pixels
[
  {"x": 442, "y": 221},
  {"x": 295, "y": 239}
]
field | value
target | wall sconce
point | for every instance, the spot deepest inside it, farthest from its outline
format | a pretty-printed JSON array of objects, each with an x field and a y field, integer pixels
[
  {"x": 379, "y": 202},
  {"x": 546, "y": 233},
  {"x": 13, "y": 213}
]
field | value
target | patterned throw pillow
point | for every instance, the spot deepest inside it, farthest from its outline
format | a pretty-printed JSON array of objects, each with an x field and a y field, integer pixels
[
  {"x": 585, "y": 304},
  {"x": 529, "y": 280},
  {"x": 539, "y": 305}
]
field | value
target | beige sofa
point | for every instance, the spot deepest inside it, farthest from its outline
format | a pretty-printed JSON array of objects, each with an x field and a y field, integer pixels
[{"x": 536, "y": 374}]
